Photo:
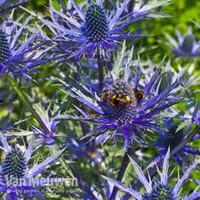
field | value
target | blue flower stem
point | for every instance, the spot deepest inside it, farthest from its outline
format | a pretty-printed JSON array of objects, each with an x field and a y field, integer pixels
[
  {"x": 24, "y": 99},
  {"x": 100, "y": 70},
  {"x": 122, "y": 170}
]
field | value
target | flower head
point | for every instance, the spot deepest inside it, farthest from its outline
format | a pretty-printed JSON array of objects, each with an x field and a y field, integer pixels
[
  {"x": 19, "y": 57},
  {"x": 45, "y": 132},
  {"x": 95, "y": 28},
  {"x": 81, "y": 30},
  {"x": 14, "y": 165},
  {"x": 16, "y": 174},
  {"x": 187, "y": 46},
  {"x": 159, "y": 189},
  {"x": 129, "y": 105},
  {"x": 171, "y": 136},
  {"x": 5, "y": 48}
]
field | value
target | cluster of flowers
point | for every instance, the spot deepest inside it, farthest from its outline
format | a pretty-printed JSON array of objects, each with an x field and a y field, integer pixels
[{"x": 115, "y": 97}]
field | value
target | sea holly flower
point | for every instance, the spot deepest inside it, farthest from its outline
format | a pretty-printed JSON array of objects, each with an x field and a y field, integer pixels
[
  {"x": 17, "y": 177},
  {"x": 128, "y": 106},
  {"x": 171, "y": 137},
  {"x": 95, "y": 30},
  {"x": 186, "y": 74},
  {"x": 45, "y": 132},
  {"x": 19, "y": 57},
  {"x": 159, "y": 189},
  {"x": 186, "y": 46}
]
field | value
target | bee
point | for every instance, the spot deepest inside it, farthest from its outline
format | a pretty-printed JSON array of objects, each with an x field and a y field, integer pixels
[
  {"x": 139, "y": 94},
  {"x": 117, "y": 99}
]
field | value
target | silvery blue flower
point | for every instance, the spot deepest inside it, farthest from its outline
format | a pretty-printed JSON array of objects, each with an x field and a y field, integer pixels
[
  {"x": 17, "y": 178},
  {"x": 45, "y": 132},
  {"x": 18, "y": 57},
  {"x": 95, "y": 29},
  {"x": 159, "y": 189},
  {"x": 184, "y": 73},
  {"x": 186, "y": 46},
  {"x": 171, "y": 136},
  {"x": 128, "y": 104}
]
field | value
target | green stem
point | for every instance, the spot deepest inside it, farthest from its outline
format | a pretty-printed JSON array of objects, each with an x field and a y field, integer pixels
[
  {"x": 23, "y": 98},
  {"x": 121, "y": 173}
]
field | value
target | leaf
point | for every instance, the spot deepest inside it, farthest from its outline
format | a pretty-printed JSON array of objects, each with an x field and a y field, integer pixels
[
  {"x": 24, "y": 99},
  {"x": 183, "y": 124}
]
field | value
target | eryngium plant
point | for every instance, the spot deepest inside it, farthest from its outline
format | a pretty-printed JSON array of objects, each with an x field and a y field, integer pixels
[
  {"x": 17, "y": 177},
  {"x": 131, "y": 102},
  {"x": 92, "y": 28},
  {"x": 143, "y": 103},
  {"x": 159, "y": 189},
  {"x": 18, "y": 57},
  {"x": 186, "y": 46}
]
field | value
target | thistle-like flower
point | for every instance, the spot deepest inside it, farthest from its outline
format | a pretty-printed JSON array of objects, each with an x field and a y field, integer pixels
[
  {"x": 158, "y": 189},
  {"x": 19, "y": 57},
  {"x": 186, "y": 46},
  {"x": 171, "y": 137},
  {"x": 17, "y": 178},
  {"x": 81, "y": 30},
  {"x": 128, "y": 104},
  {"x": 45, "y": 132}
]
